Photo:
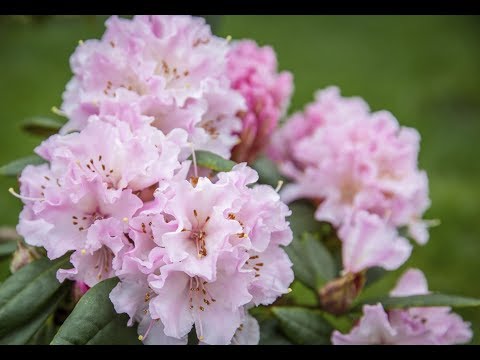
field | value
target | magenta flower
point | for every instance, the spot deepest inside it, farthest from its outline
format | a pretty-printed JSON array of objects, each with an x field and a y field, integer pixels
[
  {"x": 253, "y": 72},
  {"x": 170, "y": 68},
  {"x": 345, "y": 159},
  {"x": 413, "y": 326}
]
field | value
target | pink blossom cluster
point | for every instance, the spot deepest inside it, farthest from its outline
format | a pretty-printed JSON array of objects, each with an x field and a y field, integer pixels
[
  {"x": 120, "y": 196},
  {"x": 174, "y": 71},
  {"x": 411, "y": 326},
  {"x": 253, "y": 72},
  {"x": 360, "y": 169},
  {"x": 170, "y": 67}
]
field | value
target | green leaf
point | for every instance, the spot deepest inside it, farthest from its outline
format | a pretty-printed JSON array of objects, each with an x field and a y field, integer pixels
[
  {"x": 45, "y": 334},
  {"x": 312, "y": 263},
  {"x": 94, "y": 321},
  {"x": 26, "y": 293},
  {"x": 4, "y": 268},
  {"x": 267, "y": 171},
  {"x": 23, "y": 334},
  {"x": 15, "y": 167},
  {"x": 302, "y": 219},
  {"x": 343, "y": 323},
  {"x": 434, "y": 299},
  {"x": 374, "y": 274},
  {"x": 303, "y": 326},
  {"x": 270, "y": 333},
  {"x": 41, "y": 126},
  {"x": 213, "y": 161},
  {"x": 7, "y": 247}
]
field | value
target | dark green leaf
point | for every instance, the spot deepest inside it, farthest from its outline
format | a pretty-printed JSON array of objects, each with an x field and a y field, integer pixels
[
  {"x": 46, "y": 333},
  {"x": 23, "y": 334},
  {"x": 26, "y": 293},
  {"x": 303, "y": 326},
  {"x": 267, "y": 171},
  {"x": 343, "y": 323},
  {"x": 312, "y": 263},
  {"x": 374, "y": 274},
  {"x": 213, "y": 161},
  {"x": 15, "y": 167},
  {"x": 94, "y": 321},
  {"x": 301, "y": 295},
  {"x": 7, "y": 247},
  {"x": 434, "y": 299},
  {"x": 270, "y": 333},
  {"x": 302, "y": 219},
  {"x": 4, "y": 268},
  {"x": 42, "y": 126}
]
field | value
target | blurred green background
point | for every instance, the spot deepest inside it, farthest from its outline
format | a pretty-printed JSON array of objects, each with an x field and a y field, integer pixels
[{"x": 424, "y": 69}]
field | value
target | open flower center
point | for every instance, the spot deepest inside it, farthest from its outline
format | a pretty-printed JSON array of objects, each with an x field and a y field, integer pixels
[
  {"x": 198, "y": 234},
  {"x": 199, "y": 299},
  {"x": 96, "y": 165},
  {"x": 104, "y": 262},
  {"x": 83, "y": 221}
]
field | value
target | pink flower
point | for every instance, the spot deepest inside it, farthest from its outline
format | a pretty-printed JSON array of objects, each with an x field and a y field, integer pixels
[
  {"x": 253, "y": 72},
  {"x": 115, "y": 155},
  {"x": 170, "y": 68},
  {"x": 345, "y": 159},
  {"x": 103, "y": 249},
  {"x": 203, "y": 255},
  {"x": 413, "y": 326},
  {"x": 215, "y": 307},
  {"x": 61, "y": 219},
  {"x": 248, "y": 333},
  {"x": 367, "y": 242}
]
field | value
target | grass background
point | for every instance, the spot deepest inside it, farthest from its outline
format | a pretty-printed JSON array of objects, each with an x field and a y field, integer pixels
[{"x": 424, "y": 69}]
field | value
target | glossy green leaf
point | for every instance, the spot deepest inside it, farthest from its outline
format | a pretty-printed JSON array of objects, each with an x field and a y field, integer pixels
[
  {"x": 22, "y": 334},
  {"x": 213, "y": 161},
  {"x": 312, "y": 263},
  {"x": 41, "y": 126},
  {"x": 27, "y": 292},
  {"x": 303, "y": 326},
  {"x": 15, "y": 167},
  {"x": 7, "y": 247},
  {"x": 94, "y": 321},
  {"x": 270, "y": 333},
  {"x": 302, "y": 219},
  {"x": 434, "y": 299},
  {"x": 373, "y": 275},
  {"x": 267, "y": 172},
  {"x": 4, "y": 268}
]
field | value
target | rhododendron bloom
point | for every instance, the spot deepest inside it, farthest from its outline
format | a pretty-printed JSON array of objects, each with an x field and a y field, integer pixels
[
  {"x": 119, "y": 157},
  {"x": 170, "y": 68},
  {"x": 253, "y": 72},
  {"x": 367, "y": 242},
  {"x": 412, "y": 326},
  {"x": 345, "y": 158},
  {"x": 207, "y": 252}
]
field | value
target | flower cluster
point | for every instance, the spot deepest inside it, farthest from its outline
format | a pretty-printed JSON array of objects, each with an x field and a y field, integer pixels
[
  {"x": 253, "y": 72},
  {"x": 194, "y": 250},
  {"x": 203, "y": 255},
  {"x": 118, "y": 194},
  {"x": 360, "y": 169},
  {"x": 412, "y": 326}
]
